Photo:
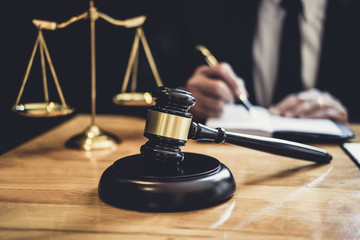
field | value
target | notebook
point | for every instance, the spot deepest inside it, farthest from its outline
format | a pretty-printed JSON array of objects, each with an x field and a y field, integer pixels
[{"x": 236, "y": 118}]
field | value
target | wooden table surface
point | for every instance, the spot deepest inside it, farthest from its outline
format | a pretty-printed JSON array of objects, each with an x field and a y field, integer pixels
[{"x": 50, "y": 192}]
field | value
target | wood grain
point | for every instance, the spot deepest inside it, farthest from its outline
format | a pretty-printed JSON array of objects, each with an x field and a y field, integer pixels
[{"x": 48, "y": 191}]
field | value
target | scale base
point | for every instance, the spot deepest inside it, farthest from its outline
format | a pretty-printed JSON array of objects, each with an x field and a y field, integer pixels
[
  {"x": 93, "y": 138},
  {"x": 137, "y": 184}
]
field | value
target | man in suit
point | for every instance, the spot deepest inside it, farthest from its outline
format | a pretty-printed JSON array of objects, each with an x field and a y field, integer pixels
[
  {"x": 329, "y": 51},
  {"x": 247, "y": 34}
]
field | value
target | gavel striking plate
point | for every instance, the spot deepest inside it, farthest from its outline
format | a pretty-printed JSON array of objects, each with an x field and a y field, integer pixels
[{"x": 164, "y": 179}]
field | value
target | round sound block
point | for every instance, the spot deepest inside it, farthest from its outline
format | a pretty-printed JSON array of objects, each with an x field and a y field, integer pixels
[{"x": 135, "y": 183}]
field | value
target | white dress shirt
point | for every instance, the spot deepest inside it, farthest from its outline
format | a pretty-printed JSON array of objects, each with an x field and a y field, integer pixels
[{"x": 267, "y": 40}]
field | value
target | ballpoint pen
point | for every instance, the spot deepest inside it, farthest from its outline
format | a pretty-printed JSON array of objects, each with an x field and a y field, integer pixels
[{"x": 211, "y": 61}]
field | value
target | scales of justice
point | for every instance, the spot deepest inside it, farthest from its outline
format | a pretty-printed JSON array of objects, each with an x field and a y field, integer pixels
[{"x": 92, "y": 137}]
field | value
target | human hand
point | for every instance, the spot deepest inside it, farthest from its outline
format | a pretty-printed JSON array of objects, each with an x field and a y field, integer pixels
[
  {"x": 212, "y": 87},
  {"x": 312, "y": 103}
]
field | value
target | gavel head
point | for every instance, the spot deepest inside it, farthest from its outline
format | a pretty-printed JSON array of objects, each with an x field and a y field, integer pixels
[{"x": 167, "y": 125}]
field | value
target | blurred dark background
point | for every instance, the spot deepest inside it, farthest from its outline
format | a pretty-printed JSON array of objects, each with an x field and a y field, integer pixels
[{"x": 172, "y": 28}]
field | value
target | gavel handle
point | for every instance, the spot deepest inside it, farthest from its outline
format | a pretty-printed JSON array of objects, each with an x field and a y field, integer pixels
[{"x": 265, "y": 144}]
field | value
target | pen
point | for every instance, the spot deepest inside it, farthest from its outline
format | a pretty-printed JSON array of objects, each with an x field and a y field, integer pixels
[{"x": 211, "y": 61}]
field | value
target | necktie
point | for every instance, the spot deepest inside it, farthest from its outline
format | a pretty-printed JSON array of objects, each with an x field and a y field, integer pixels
[{"x": 289, "y": 65}]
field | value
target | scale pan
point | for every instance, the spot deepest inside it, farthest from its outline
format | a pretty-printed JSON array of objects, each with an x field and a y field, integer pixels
[
  {"x": 134, "y": 99},
  {"x": 42, "y": 109}
]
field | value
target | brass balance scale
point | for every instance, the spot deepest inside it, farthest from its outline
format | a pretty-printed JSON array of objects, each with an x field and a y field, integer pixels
[{"x": 92, "y": 137}]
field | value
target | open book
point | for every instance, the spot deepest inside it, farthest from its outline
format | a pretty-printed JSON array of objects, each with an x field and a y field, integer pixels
[{"x": 236, "y": 118}]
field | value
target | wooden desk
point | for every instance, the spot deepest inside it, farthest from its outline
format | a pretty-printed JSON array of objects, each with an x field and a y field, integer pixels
[{"x": 48, "y": 191}]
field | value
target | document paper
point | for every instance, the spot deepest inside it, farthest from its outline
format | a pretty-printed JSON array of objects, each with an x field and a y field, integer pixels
[{"x": 237, "y": 119}]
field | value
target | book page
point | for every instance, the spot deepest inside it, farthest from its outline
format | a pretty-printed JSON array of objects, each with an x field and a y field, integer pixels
[
  {"x": 236, "y": 118},
  {"x": 319, "y": 126}
]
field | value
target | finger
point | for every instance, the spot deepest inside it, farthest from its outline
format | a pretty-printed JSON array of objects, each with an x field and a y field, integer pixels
[
  {"x": 328, "y": 113},
  {"x": 207, "y": 107},
  {"x": 285, "y": 105},
  {"x": 289, "y": 106},
  {"x": 225, "y": 72},
  {"x": 309, "y": 101},
  {"x": 331, "y": 109},
  {"x": 314, "y": 100},
  {"x": 209, "y": 104},
  {"x": 303, "y": 108},
  {"x": 310, "y": 94},
  {"x": 220, "y": 90},
  {"x": 215, "y": 88},
  {"x": 234, "y": 81},
  {"x": 209, "y": 81}
]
